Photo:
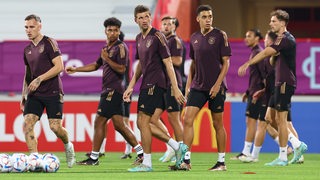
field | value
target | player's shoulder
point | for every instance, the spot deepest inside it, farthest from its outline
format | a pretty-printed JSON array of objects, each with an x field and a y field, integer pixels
[
  {"x": 51, "y": 42},
  {"x": 195, "y": 33},
  {"x": 27, "y": 47},
  {"x": 49, "y": 39},
  {"x": 219, "y": 31},
  {"x": 122, "y": 45},
  {"x": 159, "y": 35},
  {"x": 123, "y": 49}
]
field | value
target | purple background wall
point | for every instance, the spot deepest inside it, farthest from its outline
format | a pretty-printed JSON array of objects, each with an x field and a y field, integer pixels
[{"x": 84, "y": 52}]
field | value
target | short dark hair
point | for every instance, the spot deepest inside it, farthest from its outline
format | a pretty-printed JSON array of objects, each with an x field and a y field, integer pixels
[
  {"x": 140, "y": 9},
  {"x": 167, "y": 17},
  {"x": 272, "y": 35},
  {"x": 121, "y": 36},
  {"x": 257, "y": 33},
  {"x": 112, "y": 22},
  {"x": 176, "y": 22},
  {"x": 203, "y": 8},
  {"x": 33, "y": 16},
  {"x": 281, "y": 15}
]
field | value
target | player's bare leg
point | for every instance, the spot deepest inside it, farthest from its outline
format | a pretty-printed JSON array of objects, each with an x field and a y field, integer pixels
[
  {"x": 128, "y": 147},
  {"x": 128, "y": 135},
  {"x": 99, "y": 134},
  {"x": 258, "y": 141},
  {"x": 249, "y": 138},
  {"x": 298, "y": 146},
  {"x": 189, "y": 117},
  {"x": 156, "y": 121},
  {"x": 281, "y": 119},
  {"x": 143, "y": 123},
  {"x": 28, "y": 128},
  {"x": 61, "y": 133},
  {"x": 221, "y": 137},
  {"x": 175, "y": 122},
  {"x": 250, "y": 134},
  {"x": 184, "y": 156}
]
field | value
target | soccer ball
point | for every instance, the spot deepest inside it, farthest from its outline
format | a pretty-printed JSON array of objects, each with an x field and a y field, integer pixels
[
  {"x": 20, "y": 162},
  {"x": 50, "y": 163},
  {"x": 5, "y": 163},
  {"x": 35, "y": 163}
]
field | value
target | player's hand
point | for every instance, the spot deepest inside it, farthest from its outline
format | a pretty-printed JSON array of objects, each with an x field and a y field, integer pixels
[
  {"x": 258, "y": 94},
  {"x": 70, "y": 70},
  {"x": 179, "y": 96},
  {"x": 34, "y": 84},
  {"x": 242, "y": 69},
  {"x": 214, "y": 91},
  {"x": 186, "y": 93},
  {"x": 22, "y": 103},
  {"x": 127, "y": 95},
  {"x": 244, "y": 97},
  {"x": 104, "y": 54}
]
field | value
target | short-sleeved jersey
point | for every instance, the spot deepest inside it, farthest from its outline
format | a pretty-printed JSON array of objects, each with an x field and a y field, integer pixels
[
  {"x": 285, "y": 66},
  {"x": 207, "y": 52},
  {"x": 257, "y": 72},
  {"x": 111, "y": 80},
  {"x": 151, "y": 50},
  {"x": 176, "y": 49},
  {"x": 39, "y": 60}
]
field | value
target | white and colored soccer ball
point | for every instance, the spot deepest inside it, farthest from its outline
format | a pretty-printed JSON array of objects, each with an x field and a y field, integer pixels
[
  {"x": 5, "y": 163},
  {"x": 35, "y": 162},
  {"x": 20, "y": 162},
  {"x": 50, "y": 163}
]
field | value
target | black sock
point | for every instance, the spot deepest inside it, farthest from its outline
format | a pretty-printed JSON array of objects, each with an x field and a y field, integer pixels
[
  {"x": 140, "y": 155},
  {"x": 187, "y": 161}
]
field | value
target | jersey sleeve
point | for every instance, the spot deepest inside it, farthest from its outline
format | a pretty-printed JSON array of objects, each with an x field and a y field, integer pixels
[
  {"x": 163, "y": 45},
  {"x": 52, "y": 48},
  {"x": 122, "y": 55},
  {"x": 176, "y": 47},
  {"x": 279, "y": 43},
  {"x": 225, "y": 46}
]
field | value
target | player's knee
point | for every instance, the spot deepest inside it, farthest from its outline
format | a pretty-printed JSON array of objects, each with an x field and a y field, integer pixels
[
  {"x": 188, "y": 122},
  {"x": 100, "y": 121},
  {"x": 55, "y": 128},
  {"x": 28, "y": 123},
  {"x": 118, "y": 127}
]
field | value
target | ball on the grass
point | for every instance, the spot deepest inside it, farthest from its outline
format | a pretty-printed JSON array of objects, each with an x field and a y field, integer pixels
[
  {"x": 5, "y": 163},
  {"x": 35, "y": 162},
  {"x": 20, "y": 162},
  {"x": 50, "y": 163}
]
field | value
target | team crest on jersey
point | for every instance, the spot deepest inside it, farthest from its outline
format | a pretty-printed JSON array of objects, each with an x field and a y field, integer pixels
[
  {"x": 41, "y": 49},
  {"x": 148, "y": 43},
  {"x": 211, "y": 40},
  {"x": 111, "y": 52}
]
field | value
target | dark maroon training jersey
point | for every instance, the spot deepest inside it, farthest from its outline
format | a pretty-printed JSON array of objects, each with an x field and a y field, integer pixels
[
  {"x": 257, "y": 72},
  {"x": 39, "y": 59},
  {"x": 285, "y": 67},
  {"x": 176, "y": 49},
  {"x": 111, "y": 80},
  {"x": 151, "y": 50},
  {"x": 207, "y": 52}
]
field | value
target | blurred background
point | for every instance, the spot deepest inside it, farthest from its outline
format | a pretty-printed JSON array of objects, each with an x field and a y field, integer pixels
[
  {"x": 77, "y": 25},
  {"x": 82, "y": 20}
]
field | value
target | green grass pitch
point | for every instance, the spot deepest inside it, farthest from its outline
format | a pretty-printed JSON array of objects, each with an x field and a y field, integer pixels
[{"x": 112, "y": 167}]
